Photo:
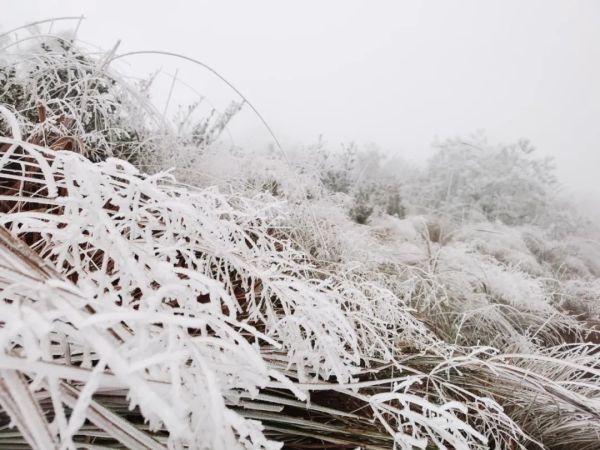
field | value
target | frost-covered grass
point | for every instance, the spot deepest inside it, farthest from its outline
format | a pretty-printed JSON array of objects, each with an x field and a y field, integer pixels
[{"x": 318, "y": 300}]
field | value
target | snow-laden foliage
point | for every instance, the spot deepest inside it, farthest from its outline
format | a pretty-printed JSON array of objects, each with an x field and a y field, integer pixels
[
  {"x": 525, "y": 289},
  {"x": 68, "y": 98},
  {"x": 311, "y": 299},
  {"x": 183, "y": 289},
  {"x": 473, "y": 179}
]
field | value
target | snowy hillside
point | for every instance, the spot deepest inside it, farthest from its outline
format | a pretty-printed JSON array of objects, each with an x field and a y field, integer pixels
[{"x": 163, "y": 289}]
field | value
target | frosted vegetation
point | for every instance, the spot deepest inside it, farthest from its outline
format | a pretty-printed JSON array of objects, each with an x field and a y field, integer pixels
[{"x": 317, "y": 298}]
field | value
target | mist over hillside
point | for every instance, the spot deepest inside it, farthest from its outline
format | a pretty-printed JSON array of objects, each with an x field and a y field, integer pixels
[{"x": 162, "y": 286}]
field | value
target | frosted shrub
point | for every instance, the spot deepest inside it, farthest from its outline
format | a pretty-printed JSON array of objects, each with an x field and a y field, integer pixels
[{"x": 473, "y": 180}]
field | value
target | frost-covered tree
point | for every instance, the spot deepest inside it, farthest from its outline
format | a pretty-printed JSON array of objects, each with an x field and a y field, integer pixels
[{"x": 473, "y": 179}]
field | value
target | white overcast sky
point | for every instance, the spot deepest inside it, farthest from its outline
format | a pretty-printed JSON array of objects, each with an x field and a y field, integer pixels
[{"x": 396, "y": 73}]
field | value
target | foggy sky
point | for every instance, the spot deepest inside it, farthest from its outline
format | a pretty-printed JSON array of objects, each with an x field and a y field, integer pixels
[{"x": 396, "y": 73}]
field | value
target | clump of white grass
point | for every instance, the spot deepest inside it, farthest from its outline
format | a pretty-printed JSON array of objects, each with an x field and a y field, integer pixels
[{"x": 176, "y": 293}]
